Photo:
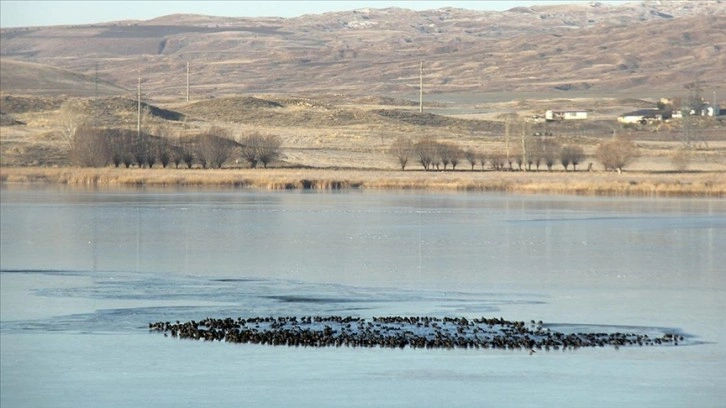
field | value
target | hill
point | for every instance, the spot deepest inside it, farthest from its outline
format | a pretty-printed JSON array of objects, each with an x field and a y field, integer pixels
[
  {"x": 29, "y": 78},
  {"x": 591, "y": 47}
]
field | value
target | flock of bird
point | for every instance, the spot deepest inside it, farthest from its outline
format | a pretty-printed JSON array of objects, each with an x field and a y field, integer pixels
[{"x": 401, "y": 332}]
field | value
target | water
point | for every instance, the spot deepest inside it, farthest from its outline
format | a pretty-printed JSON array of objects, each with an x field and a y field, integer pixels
[{"x": 85, "y": 271}]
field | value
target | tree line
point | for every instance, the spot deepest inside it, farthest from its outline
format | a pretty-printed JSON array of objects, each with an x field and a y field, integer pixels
[
  {"x": 533, "y": 153},
  {"x": 162, "y": 146}
]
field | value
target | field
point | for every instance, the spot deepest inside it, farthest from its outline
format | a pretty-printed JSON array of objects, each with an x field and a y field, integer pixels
[
  {"x": 331, "y": 142},
  {"x": 710, "y": 184},
  {"x": 338, "y": 89}
]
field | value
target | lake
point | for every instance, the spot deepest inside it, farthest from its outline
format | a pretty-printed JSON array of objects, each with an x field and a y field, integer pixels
[{"x": 83, "y": 272}]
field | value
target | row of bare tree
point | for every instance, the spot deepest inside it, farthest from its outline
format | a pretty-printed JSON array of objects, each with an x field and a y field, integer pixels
[
  {"x": 98, "y": 147},
  {"x": 534, "y": 153},
  {"x": 158, "y": 142}
]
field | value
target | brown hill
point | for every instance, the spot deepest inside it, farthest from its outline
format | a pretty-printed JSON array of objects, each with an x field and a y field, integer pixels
[
  {"x": 634, "y": 47},
  {"x": 29, "y": 78}
]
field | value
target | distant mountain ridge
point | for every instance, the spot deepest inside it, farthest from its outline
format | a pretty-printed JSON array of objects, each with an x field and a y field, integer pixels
[{"x": 551, "y": 48}]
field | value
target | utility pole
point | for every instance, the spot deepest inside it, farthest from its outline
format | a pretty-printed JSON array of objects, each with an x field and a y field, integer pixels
[
  {"x": 506, "y": 139},
  {"x": 525, "y": 130},
  {"x": 715, "y": 109},
  {"x": 95, "y": 84},
  {"x": 95, "y": 97},
  {"x": 187, "y": 81},
  {"x": 138, "y": 115},
  {"x": 420, "y": 89}
]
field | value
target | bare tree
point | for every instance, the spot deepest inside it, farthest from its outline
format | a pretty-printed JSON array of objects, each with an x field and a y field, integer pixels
[
  {"x": 482, "y": 159},
  {"x": 550, "y": 152},
  {"x": 90, "y": 148},
  {"x": 571, "y": 154},
  {"x": 70, "y": 118},
  {"x": 176, "y": 155},
  {"x": 472, "y": 156},
  {"x": 499, "y": 161},
  {"x": 425, "y": 150},
  {"x": 250, "y": 147},
  {"x": 163, "y": 133},
  {"x": 138, "y": 149},
  {"x": 455, "y": 155},
  {"x": 122, "y": 142},
  {"x": 215, "y": 147},
  {"x": 269, "y": 150},
  {"x": 187, "y": 153},
  {"x": 691, "y": 120},
  {"x": 151, "y": 150},
  {"x": 525, "y": 139},
  {"x": 116, "y": 148},
  {"x": 444, "y": 153},
  {"x": 402, "y": 150},
  {"x": 616, "y": 154},
  {"x": 681, "y": 158}
]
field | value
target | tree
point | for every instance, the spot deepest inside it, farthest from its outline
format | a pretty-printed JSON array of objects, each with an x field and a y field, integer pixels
[
  {"x": 164, "y": 152},
  {"x": 70, "y": 119},
  {"x": 176, "y": 155},
  {"x": 448, "y": 153},
  {"x": 138, "y": 149},
  {"x": 689, "y": 137},
  {"x": 681, "y": 158},
  {"x": 401, "y": 149},
  {"x": 499, "y": 161},
  {"x": 425, "y": 150},
  {"x": 187, "y": 153},
  {"x": 250, "y": 146},
  {"x": 571, "y": 154},
  {"x": 120, "y": 141},
  {"x": 616, "y": 154},
  {"x": 117, "y": 153},
  {"x": 550, "y": 151},
  {"x": 90, "y": 148},
  {"x": 525, "y": 132},
  {"x": 455, "y": 154},
  {"x": 214, "y": 147},
  {"x": 472, "y": 156},
  {"x": 269, "y": 150},
  {"x": 152, "y": 152},
  {"x": 482, "y": 159},
  {"x": 256, "y": 148}
]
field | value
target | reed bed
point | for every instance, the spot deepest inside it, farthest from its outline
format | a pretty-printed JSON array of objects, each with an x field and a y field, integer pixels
[{"x": 707, "y": 184}]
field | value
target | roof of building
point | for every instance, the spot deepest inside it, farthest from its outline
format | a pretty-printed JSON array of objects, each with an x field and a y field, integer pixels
[
  {"x": 644, "y": 113},
  {"x": 569, "y": 110}
]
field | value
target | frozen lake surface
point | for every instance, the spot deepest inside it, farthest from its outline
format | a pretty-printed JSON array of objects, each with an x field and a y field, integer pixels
[{"x": 84, "y": 272}]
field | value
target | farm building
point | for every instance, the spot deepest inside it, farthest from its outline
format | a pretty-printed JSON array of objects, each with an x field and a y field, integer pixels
[
  {"x": 569, "y": 114},
  {"x": 641, "y": 116}
]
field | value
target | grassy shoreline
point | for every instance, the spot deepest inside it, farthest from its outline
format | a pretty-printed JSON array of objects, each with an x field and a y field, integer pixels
[{"x": 707, "y": 184}]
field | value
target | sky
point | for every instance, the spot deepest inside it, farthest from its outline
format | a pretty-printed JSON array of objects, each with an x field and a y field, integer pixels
[{"x": 28, "y": 13}]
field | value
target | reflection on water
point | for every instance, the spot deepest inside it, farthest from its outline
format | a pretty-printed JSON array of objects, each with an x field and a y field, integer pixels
[
  {"x": 373, "y": 239},
  {"x": 84, "y": 272}
]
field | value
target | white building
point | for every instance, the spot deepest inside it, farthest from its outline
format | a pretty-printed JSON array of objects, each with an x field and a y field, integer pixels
[
  {"x": 569, "y": 114},
  {"x": 641, "y": 116}
]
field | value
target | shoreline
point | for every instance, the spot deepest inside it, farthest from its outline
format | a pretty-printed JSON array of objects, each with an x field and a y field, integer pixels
[{"x": 598, "y": 183}]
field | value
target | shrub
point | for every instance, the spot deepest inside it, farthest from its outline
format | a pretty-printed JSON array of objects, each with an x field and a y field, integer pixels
[
  {"x": 616, "y": 154},
  {"x": 263, "y": 149},
  {"x": 90, "y": 147},
  {"x": 401, "y": 149}
]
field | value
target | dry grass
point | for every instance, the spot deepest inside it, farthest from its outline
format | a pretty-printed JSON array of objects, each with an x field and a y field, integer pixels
[{"x": 711, "y": 184}]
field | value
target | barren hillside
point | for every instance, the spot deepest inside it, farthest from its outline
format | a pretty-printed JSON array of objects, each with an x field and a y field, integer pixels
[{"x": 635, "y": 47}]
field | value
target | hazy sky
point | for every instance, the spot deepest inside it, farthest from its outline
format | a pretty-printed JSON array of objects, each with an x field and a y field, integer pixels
[{"x": 38, "y": 13}]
